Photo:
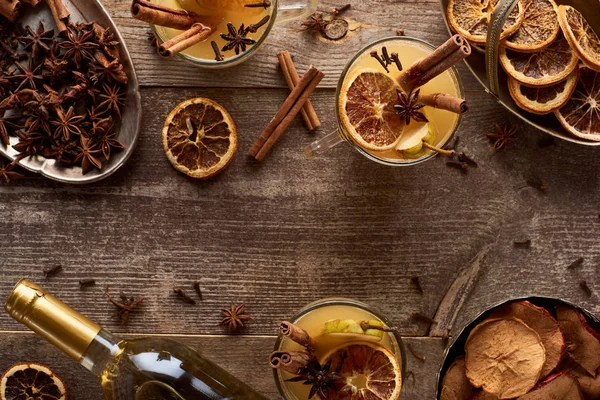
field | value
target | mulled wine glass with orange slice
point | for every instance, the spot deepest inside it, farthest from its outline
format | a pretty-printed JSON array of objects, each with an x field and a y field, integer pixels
[{"x": 399, "y": 101}]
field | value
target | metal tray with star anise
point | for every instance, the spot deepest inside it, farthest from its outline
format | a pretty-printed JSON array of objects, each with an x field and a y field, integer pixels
[{"x": 128, "y": 127}]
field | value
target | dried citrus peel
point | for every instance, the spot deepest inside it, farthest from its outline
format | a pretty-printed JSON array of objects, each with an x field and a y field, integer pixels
[
  {"x": 31, "y": 380},
  {"x": 580, "y": 35}
]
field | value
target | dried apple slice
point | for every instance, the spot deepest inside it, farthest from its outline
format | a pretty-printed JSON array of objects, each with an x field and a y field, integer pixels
[
  {"x": 543, "y": 100},
  {"x": 484, "y": 396},
  {"x": 583, "y": 342},
  {"x": 541, "y": 321},
  {"x": 539, "y": 29},
  {"x": 455, "y": 385},
  {"x": 590, "y": 386},
  {"x": 560, "y": 386},
  {"x": 504, "y": 357}
]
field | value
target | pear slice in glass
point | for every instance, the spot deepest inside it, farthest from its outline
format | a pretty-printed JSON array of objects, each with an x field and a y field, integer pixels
[{"x": 350, "y": 329}]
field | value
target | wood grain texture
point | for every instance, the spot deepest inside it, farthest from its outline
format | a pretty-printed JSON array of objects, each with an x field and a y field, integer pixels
[
  {"x": 370, "y": 19},
  {"x": 246, "y": 358}
]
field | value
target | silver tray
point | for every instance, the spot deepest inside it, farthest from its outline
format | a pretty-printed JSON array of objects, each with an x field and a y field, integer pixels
[
  {"x": 87, "y": 10},
  {"x": 484, "y": 66}
]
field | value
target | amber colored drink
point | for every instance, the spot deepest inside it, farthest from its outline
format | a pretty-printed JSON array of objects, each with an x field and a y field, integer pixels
[
  {"x": 224, "y": 12},
  {"x": 312, "y": 319}
]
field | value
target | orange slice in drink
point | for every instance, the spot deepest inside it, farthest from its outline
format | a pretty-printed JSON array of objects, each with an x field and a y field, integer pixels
[
  {"x": 580, "y": 35},
  {"x": 199, "y": 138},
  {"x": 543, "y": 100},
  {"x": 31, "y": 381},
  {"x": 366, "y": 108},
  {"x": 541, "y": 68},
  {"x": 470, "y": 18},
  {"x": 370, "y": 371},
  {"x": 581, "y": 114},
  {"x": 539, "y": 29}
]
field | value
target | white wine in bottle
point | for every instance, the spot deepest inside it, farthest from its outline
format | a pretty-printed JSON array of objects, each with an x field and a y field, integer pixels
[{"x": 138, "y": 369}]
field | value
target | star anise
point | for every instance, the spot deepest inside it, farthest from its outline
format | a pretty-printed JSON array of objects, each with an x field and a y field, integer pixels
[
  {"x": 235, "y": 316},
  {"x": 55, "y": 68},
  {"x": 88, "y": 155},
  {"x": 37, "y": 41},
  {"x": 125, "y": 306},
  {"x": 63, "y": 152},
  {"x": 502, "y": 135},
  {"x": 28, "y": 76},
  {"x": 85, "y": 86},
  {"x": 321, "y": 379},
  {"x": 93, "y": 115},
  {"x": 104, "y": 131},
  {"x": 112, "y": 99},
  {"x": 66, "y": 123},
  {"x": 7, "y": 174},
  {"x": 79, "y": 45},
  {"x": 108, "y": 71},
  {"x": 315, "y": 23},
  {"x": 30, "y": 143},
  {"x": 408, "y": 107},
  {"x": 106, "y": 40},
  {"x": 7, "y": 126},
  {"x": 237, "y": 39}
]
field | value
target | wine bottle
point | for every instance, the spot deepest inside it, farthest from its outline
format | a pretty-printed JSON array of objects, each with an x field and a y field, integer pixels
[{"x": 138, "y": 369}]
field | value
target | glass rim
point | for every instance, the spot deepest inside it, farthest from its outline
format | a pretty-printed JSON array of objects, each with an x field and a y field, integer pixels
[
  {"x": 230, "y": 62},
  {"x": 333, "y": 301},
  {"x": 343, "y": 135}
]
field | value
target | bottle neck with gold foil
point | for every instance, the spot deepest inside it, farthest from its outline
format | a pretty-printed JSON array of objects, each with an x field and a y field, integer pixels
[{"x": 59, "y": 324}]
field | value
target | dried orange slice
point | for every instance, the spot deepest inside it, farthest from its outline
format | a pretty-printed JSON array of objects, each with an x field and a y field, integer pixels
[
  {"x": 504, "y": 357},
  {"x": 539, "y": 29},
  {"x": 370, "y": 371},
  {"x": 470, "y": 18},
  {"x": 543, "y": 100},
  {"x": 580, "y": 35},
  {"x": 581, "y": 114},
  {"x": 541, "y": 68},
  {"x": 30, "y": 381},
  {"x": 366, "y": 105},
  {"x": 199, "y": 138}
]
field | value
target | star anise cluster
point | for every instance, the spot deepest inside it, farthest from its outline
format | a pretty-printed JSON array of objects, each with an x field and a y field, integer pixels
[{"x": 61, "y": 97}]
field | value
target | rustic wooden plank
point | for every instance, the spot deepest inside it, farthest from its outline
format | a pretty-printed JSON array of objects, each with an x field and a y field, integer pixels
[
  {"x": 377, "y": 19},
  {"x": 245, "y": 357}
]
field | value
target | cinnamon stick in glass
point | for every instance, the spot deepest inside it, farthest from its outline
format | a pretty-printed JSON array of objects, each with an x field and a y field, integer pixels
[
  {"x": 291, "y": 77},
  {"x": 157, "y": 14},
  {"x": 295, "y": 333},
  {"x": 289, "y": 361},
  {"x": 60, "y": 14},
  {"x": 453, "y": 51},
  {"x": 446, "y": 102},
  {"x": 32, "y": 2},
  {"x": 284, "y": 109},
  {"x": 10, "y": 9},
  {"x": 197, "y": 33}
]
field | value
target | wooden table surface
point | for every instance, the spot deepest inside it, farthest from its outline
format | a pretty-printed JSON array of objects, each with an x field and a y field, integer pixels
[{"x": 283, "y": 233}]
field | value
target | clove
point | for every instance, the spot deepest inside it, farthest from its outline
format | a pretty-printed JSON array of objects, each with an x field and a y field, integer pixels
[
  {"x": 417, "y": 283},
  {"x": 526, "y": 244},
  {"x": 183, "y": 296},
  {"x": 52, "y": 271},
  {"x": 84, "y": 283},
  {"x": 576, "y": 264},
  {"x": 376, "y": 56}
]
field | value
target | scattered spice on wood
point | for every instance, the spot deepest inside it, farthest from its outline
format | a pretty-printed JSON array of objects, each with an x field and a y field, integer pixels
[
  {"x": 462, "y": 157},
  {"x": 502, "y": 135},
  {"x": 336, "y": 29},
  {"x": 288, "y": 68},
  {"x": 576, "y": 264},
  {"x": 53, "y": 271},
  {"x": 462, "y": 166},
  {"x": 315, "y": 23},
  {"x": 545, "y": 141},
  {"x": 85, "y": 283},
  {"x": 400, "y": 32},
  {"x": 586, "y": 289},
  {"x": 525, "y": 244},
  {"x": 337, "y": 11},
  {"x": 180, "y": 294},
  {"x": 234, "y": 317},
  {"x": 197, "y": 289},
  {"x": 542, "y": 187},
  {"x": 416, "y": 281},
  {"x": 125, "y": 306},
  {"x": 264, "y": 4},
  {"x": 414, "y": 352}
]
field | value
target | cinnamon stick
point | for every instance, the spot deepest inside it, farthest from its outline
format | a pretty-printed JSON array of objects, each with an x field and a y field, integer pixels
[
  {"x": 291, "y": 77},
  {"x": 445, "y": 102},
  {"x": 32, "y": 2},
  {"x": 284, "y": 109},
  {"x": 289, "y": 361},
  {"x": 10, "y": 9},
  {"x": 285, "y": 123},
  {"x": 59, "y": 13},
  {"x": 197, "y": 33},
  {"x": 453, "y": 51},
  {"x": 295, "y": 333},
  {"x": 157, "y": 14}
]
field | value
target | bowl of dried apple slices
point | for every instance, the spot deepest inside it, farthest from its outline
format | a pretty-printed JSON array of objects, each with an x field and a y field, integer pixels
[
  {"x": 538, "y": 58},
  {"x": 70, "y": 105},
  {"x": 534, "y": 348}
]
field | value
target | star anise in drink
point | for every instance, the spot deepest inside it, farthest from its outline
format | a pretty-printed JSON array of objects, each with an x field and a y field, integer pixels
[
  {"x": 79, "y": 44},
  {"x": 237, "y": 39},
  {"x": 321, "y": 379},
  {"x": 235, "y": 316},
  {"x": 503, "y": 135},
  {"x": 38, "y": 41},
  {"x": 408, "y": 107}
]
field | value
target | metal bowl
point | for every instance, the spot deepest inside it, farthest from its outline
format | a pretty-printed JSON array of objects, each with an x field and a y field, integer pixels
[
  {"x": 87, "y": 10},
  {"x": 494, "y": 79},
  {"x": 458, "y": 346}
]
